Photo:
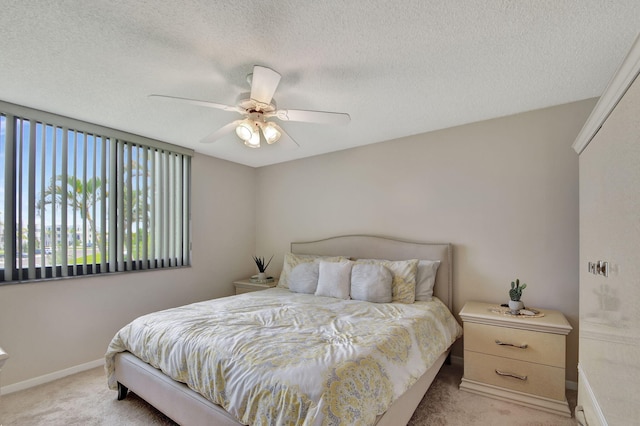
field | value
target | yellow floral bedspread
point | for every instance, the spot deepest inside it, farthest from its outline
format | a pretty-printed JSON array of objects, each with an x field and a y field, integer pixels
[{"x": 277, "y": 357}]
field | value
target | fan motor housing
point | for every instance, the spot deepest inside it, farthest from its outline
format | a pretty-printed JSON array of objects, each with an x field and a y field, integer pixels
[{"x": 251, "y": 106}]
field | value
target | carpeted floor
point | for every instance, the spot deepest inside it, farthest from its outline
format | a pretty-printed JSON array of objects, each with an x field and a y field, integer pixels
[{"x": 83, "y": 399}]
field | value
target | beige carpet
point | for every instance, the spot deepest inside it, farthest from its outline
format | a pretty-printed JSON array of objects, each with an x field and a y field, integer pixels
[{"x": 83, "y": 399}]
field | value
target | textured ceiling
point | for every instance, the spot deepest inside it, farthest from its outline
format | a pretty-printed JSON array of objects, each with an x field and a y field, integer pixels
[{"x": 398, "y": 68}]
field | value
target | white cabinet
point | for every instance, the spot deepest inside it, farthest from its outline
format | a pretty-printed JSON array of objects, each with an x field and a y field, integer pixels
[
  {"x": 609, "y": 342},
  {"x": 3, "y": 358}
]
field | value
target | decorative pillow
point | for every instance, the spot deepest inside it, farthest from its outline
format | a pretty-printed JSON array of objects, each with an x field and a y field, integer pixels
[
  {"x": 404, "y": 277},
  {"x": 334, "y": 279},
  {"x": 304, "y": 278},
  {"x": 291, "y": 260},
  {"x": 426, "y": 278},
  {"x": 371, "y": 283}
]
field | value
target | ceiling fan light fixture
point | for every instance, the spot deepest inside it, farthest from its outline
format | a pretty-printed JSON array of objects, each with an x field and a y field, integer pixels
[
  {"x": 245, "y": 130},
  {"x": 256, "y": 107},
  {"x": 254, "y": 140},
  {"x": 271, "y": 133}
]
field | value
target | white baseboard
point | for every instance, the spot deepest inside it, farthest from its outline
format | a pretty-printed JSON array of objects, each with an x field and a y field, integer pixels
[{"x": 50, "y": 377}]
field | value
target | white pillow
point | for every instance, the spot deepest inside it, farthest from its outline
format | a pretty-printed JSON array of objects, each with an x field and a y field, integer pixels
[
  {"x": 371, "y": 283},
  {"x": 426, "y": 278},
  {"x": 291, "y": 260},
  {"x": 334, "y": 279},
  {"x": 304, "y": 278}
]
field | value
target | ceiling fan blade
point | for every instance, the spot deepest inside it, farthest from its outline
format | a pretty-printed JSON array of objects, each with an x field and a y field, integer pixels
[
  {"x": 321, "y": 117},
  {"x": 286, "y": 141},
  {"x": 199, "y": 103},
  {"x": 264, "y": 83},
  {"x": 218, "y": 134}
]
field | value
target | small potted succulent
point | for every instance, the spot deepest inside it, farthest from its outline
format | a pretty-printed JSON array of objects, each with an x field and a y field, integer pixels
[
  {"x": 515, "y": 293},
  {"x": 262, "y": 267}
]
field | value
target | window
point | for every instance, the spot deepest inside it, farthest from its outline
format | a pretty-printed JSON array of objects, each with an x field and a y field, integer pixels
[{"x": 80, "y": 199}]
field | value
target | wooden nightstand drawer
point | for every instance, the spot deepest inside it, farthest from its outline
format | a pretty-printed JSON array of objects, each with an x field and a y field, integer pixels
[
  {"x": 535, "y": 379},
  {"x": 524, "y": 345}
]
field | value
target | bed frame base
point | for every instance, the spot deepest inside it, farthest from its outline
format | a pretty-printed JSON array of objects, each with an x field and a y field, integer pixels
[
  {"x": 403, "y": 408},
  {"x": 186, "y": 407},
  {"x": 176, "y": 400}
]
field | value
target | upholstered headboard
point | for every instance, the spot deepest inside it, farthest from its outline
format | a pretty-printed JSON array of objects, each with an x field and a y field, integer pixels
[{"x": 373, "y": 247}]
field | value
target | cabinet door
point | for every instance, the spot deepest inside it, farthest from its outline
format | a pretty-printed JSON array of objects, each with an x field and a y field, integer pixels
[{"x": 609, "y": 353}]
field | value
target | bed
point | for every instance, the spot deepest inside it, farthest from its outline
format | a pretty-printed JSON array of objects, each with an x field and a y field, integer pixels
[{"x": 328, "y": 372}]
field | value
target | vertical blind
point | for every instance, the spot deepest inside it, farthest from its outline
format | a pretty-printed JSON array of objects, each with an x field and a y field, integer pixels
[{"x": 80, "y": 199}]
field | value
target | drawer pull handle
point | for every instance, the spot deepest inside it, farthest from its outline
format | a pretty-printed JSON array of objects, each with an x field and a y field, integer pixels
[
  {"x": 525, "y": 346},
  {"x": 515, "y": 376}
]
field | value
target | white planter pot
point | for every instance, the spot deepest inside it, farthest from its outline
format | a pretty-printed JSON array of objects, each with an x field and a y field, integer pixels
[
  {"x": 515, "y": 306},
  {"x": 262, "y": 276}
]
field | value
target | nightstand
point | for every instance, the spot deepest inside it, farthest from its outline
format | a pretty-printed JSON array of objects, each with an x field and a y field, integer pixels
[
  {"x": 246, "y": 286},
  {"x": 516, "y": 358}
]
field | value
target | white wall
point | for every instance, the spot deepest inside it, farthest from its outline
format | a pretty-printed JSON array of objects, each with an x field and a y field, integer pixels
[
  {"x": 50, "y": 326},
  {"x": 503, "y": 191}
]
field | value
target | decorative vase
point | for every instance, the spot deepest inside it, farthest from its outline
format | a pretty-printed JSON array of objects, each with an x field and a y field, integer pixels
[
  {"x": 515, "y": 306},
  {"x": 262, "y": 276}
]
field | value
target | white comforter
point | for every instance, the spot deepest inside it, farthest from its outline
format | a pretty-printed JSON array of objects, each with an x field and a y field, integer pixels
[{"x": 277, "y": 357}]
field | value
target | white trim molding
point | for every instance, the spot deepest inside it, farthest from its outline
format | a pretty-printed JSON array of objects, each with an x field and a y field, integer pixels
[
  {"x": 40, "y": 380},
  {"x": 618, "y": 85},
  {"x": 3, "y": 357},
  {"x": 590, "y": 397}
]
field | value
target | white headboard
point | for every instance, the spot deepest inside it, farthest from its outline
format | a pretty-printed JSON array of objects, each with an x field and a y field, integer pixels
[{"x": 373, "y": 247}]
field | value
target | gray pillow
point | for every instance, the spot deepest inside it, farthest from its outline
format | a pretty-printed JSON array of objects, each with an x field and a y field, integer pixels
[
  {"x": 371, "y": 283},
  {"x": 303, "y": 278},
  {"x": 426, "y": 278}
]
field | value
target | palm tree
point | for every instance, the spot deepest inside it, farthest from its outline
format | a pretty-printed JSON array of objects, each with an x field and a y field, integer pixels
[
  {"x": 135, "y": 204},
  {"x": 80, "y": 196}
]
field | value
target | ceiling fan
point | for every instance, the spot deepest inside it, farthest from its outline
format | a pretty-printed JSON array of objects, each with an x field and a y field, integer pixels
[{"x": 258, "y": 107}]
